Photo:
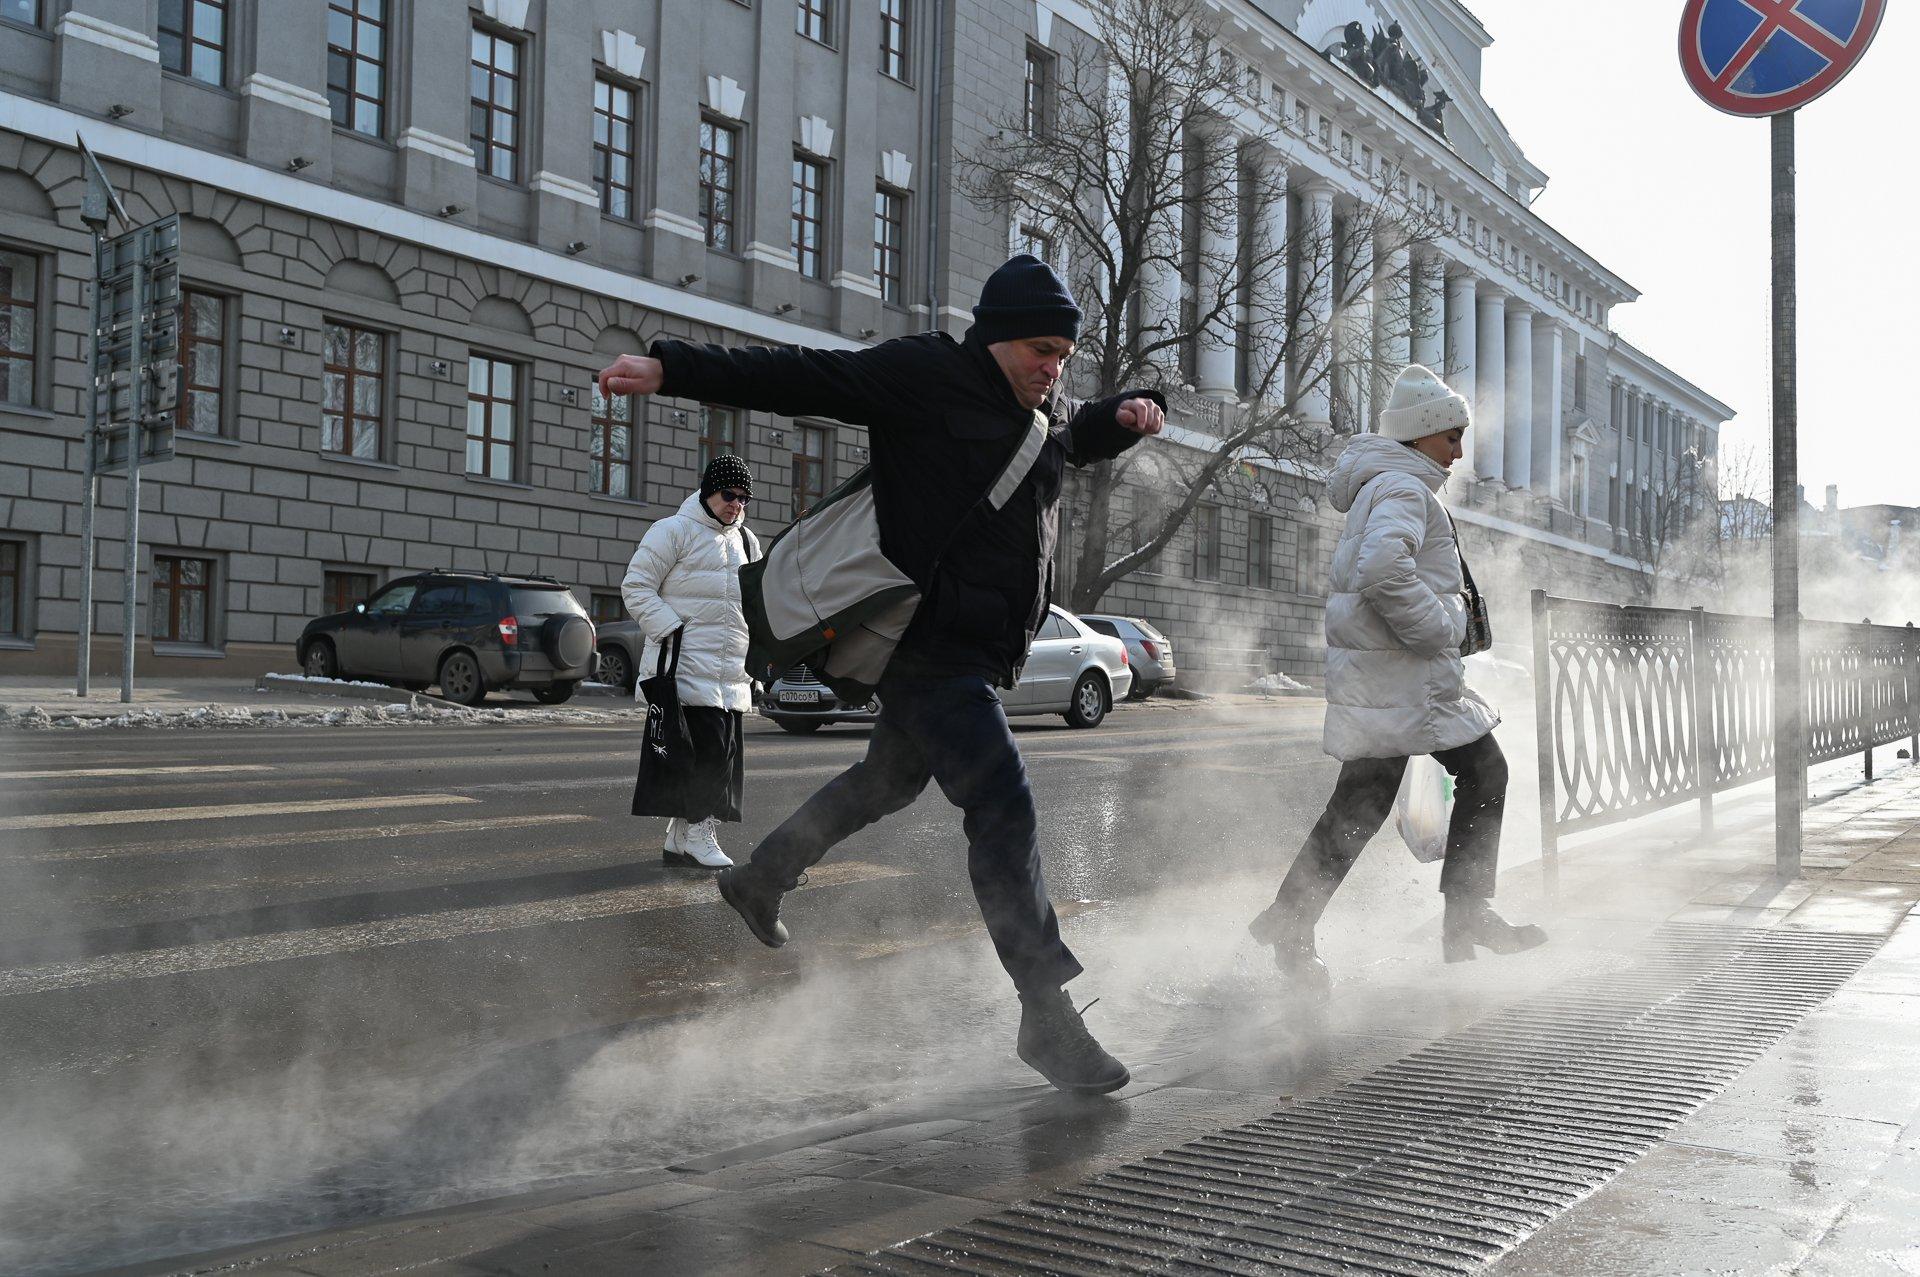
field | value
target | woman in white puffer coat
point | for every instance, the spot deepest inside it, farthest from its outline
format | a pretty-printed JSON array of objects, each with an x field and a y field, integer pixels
[
  {"x": 686, "y": 577},
  {"x": 1397, "y": 617}
]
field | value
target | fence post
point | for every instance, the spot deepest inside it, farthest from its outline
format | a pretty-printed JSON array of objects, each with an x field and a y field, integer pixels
[
  {"x": 1863, "y": 683},
  {"x": 1705, "y": 744},
  {"x": 1544, "y": 743},
  {"x": 1913, "y": 695}
]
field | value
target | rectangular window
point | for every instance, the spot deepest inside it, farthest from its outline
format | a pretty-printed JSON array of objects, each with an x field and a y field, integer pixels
[
  {"x": 810, "y": 448},
  {"x": 1306, "y": 560},
  {"x": 718, "y": 146},
  {"x": 203, "y": 361},
  {"x": 719, "y": 433},
  {"x": 889, "y": 242},
  {"x": 610, "y": 449},
  {"x": 19, "y": 325},
  {"x": 604, "y": 608},
  {"x": 1580, "y": 381},
  {"x": 1260, "y": 551},
  {"x": 1028, "y": 238},
  {"x": 491, "y": 410},
  {"x": 615, "y": 113},
  {"x": 26, "y": 12},
  {"x": 493, "y": 115},
  {"x": 179, "y": 611},
  {"x": 809, "y": 216},
  {"x": 1206, "y": 543},
  {"x": 1613, "y": 500},
  {"x": 352, "y": 390},
  {"x": 1579, "y": 501},
  {"x": 814, "y": 19},
  {"x": 357, "y": 64},
  {"x": 193, "y": 38},
  {"x": 1035, "y": 114},
  {"x": 893, "y": 38},
  {"x": 341, "y": 590},
  {"x": 12, "y": 606}
]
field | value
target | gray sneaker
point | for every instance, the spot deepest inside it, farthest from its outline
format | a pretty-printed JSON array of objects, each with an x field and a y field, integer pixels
[
  {"x": 756, "y": 901},
  {"x": 1054, "y": 1043}
]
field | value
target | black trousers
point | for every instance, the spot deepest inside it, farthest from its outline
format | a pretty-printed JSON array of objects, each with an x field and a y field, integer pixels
[
  {"x": 718, "y": 763},
  {"x": 1363, "y": 799},
  {"x": 952, "y": 730}
]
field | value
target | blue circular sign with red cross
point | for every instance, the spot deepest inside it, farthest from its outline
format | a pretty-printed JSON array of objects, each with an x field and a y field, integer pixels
[{"x": 1762, "y": 57}]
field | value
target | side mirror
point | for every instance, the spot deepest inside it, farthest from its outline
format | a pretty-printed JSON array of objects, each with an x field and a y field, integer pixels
[{"x": 359, "y": 607}]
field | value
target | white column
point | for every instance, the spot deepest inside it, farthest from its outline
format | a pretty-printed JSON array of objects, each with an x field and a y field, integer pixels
[
  {"x": 1519, "y": 420},
  {"x": 1356, "y": 332},
  {"x": 1490, "y": 392},
  {"x": 1462, "y": 345},
  {"x": 1217, "y": 357},
  {"x": 1549, "y": 356},
  {"x": 1313, "y": 347},
  {"x": 1160, "y": 280},
  {"x": 1429, "y": 307},
  {"x": 1393, "y": 308},
  {"x": 1267, "y": 322}
]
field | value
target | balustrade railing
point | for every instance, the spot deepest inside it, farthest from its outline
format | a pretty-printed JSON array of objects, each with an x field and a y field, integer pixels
[{"x": 1643, "y": 708}]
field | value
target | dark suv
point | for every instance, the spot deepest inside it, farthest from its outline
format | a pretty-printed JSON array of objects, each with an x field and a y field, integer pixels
[{"x": 470, "y": 632}]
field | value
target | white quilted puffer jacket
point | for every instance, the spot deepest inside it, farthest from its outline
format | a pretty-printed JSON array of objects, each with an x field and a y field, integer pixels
[
  {"x": 687, "y": 572},
  {"x": 1396, "y": 611}
]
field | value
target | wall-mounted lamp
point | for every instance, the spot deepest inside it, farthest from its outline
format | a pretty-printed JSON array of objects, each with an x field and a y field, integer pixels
[
  {"x": 119, "y": 111},
  {"x": 784, "y": 307},
  {"x": 576, "y": 246},
  {"x": 438, "y": 367},
  {"x": 297, "y": 163},
  {"x": 777, "y": 438},
  {"x": 859, "y": 453},
  {"x": 679, "y": 416},
  {"x": 866, "y": 333},
  {"x": 689, "y": 278},
  {"x": 289, "y": 337},
  {"x": 448, "y": 210},
  {"x": 569, "y": 395}
]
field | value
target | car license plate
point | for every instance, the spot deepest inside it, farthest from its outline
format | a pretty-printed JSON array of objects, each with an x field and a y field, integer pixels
[{"x": 799, "y": 698}]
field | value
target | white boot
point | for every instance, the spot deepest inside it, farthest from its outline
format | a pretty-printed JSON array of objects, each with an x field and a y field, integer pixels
[
  {"x": 702, "y": 843},
  {"x": 675, "y": 848}
]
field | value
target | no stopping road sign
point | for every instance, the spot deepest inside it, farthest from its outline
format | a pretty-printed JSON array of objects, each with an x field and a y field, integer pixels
[{"x": 1763, "y": 57}]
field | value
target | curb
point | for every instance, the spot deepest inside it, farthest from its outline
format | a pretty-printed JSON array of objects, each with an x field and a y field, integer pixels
[{"x": 299, "y": 685}]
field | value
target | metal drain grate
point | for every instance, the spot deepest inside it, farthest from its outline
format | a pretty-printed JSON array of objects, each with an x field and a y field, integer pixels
[{"x": 1439, "y": 1162}]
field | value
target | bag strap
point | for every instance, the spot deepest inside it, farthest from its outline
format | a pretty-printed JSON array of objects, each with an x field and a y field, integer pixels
[
  {"x": 1020, "y": 464},
  {"x": 660, "y": 668},
  {"x": 1466, "y": 573}
]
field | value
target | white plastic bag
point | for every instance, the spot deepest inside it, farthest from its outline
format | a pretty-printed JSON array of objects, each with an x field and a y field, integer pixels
[{"x": 1424, "y": 807}]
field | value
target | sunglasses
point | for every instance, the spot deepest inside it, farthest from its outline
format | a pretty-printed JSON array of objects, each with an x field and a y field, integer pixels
[{"x": 738, "y": 498}]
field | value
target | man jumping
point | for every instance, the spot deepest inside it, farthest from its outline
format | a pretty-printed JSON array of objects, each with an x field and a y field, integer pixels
[{"x": 943, "y": 419}]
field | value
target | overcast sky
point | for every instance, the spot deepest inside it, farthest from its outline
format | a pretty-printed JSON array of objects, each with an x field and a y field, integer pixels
[{"x": 1673, "y": 196}]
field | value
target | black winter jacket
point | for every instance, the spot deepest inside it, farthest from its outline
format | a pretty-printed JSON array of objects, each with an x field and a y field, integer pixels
[{"x": 943, "y": 421}]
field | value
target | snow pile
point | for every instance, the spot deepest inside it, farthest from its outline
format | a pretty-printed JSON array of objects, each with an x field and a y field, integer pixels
[
  {"x": 1268, "y": 684},
  {"x": 37, "y": 718}
]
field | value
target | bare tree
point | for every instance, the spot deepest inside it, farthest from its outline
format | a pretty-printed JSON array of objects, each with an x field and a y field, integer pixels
[{"x": 1173, "y": 230}]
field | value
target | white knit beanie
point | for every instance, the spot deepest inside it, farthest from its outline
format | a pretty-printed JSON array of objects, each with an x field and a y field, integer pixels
[{"x": 1422, "y": 405}]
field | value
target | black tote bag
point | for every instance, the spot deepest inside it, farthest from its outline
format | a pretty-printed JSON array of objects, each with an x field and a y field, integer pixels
[{"x": 666, "y": 749}]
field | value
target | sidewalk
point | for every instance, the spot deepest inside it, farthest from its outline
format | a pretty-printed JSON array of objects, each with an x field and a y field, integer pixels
[{"x": 1768, "y": 1123}]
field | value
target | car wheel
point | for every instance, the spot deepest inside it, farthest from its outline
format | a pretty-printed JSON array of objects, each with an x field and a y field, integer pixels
[
  {"x": 554, "y": 693},
  {"x": 1089, "y": 703},
  {"x": 799, "y": 726},
  {"x": 616, "y": 668},
  {"x": 460, "y": 679},
  {"x": 1140, "y": 690},
  {"x": 321, "y": 662}
]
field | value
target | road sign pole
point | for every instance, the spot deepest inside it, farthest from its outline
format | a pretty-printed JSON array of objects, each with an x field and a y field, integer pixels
[
  {"x": 1789, "y": 694},
  {"x": 137, "y": 408},
  {"x": 90, "y": 484}
]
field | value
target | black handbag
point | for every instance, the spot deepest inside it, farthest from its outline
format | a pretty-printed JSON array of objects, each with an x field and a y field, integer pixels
[
  {"x": 1479, "y": 636},
  {"x": 666, "y": 747}
]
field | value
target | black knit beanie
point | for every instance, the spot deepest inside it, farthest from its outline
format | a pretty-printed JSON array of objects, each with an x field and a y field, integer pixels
[
  {"x": 1024, "y": 298},
  {"x": 726, "y": 471}
]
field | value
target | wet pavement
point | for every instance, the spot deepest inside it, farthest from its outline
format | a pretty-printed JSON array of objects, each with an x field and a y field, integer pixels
[{"x": 1786, "y": 1137}]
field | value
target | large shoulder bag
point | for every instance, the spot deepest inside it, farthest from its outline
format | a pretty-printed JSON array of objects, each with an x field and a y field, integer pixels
[
  {"x": 1479, "y": 626},
  {"x": 666, "y": 747},
  {"x": 825, "y": 595}
]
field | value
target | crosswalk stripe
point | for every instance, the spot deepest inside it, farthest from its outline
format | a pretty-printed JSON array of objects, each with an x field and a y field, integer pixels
[
  {"x": 449, "y": 924},
  {"x": 230, "y": 811},
  {"x": 203, "y": 769},
  {"x": 304, "y": 838}
]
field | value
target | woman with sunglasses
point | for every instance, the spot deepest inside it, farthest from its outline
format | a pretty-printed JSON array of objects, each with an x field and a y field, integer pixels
[{"x": 686, "y": 577}]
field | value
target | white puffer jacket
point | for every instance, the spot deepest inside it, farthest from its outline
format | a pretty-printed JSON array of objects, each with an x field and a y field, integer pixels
[
  {"x": 687, "y": 572},
  {"x": 1396, "y": 612}
]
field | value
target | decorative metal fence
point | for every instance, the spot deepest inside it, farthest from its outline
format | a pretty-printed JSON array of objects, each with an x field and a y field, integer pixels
[{"x": 1644, "y": 708}]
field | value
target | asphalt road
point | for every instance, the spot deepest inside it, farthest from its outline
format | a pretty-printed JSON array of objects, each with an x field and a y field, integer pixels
[{"x": 262, "y": 980}]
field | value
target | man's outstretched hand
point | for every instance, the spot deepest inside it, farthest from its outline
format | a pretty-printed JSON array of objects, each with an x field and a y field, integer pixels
[
  {"x": 1142, "y": 416},
  {"x": 632, "y": 375}
]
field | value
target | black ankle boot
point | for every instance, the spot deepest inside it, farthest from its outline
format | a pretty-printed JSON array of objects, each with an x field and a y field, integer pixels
[
  {"x": 1305, "y": 976},
  {"x": 1054, "y": 1043},
  {"x": 756, "y": 900},
  {"x": 1471, "y": 921}
]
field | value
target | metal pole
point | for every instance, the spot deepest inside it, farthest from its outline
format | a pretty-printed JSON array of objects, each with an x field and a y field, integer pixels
[
  {"x": 136, "y": 422},
  {"x": 1913, "y": 696},
  {"x": 1789, "y": 690},
  {"x": 1705, "y": 743},
  {"x": 90, "y": 484},
  {"x": 1544, "y": 743},
  {"x": 1866, "y": 681}
]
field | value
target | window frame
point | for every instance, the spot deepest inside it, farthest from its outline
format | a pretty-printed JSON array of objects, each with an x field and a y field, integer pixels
[
  {"x": 718, "y": 127},
  {"x": 329, "y": 596},
  {"x": 805, "y": 465},
  {"x": 616, "y": 613},
  {"x": 189, "y": 43},
  {"x": 605, "y": 153},
  {"x": 893, "y": 287},
  {"x": 512, "y": 400},
  {"x": 36, "y": 321},
  {"x": 178, "y": 593},
  {"x": 13, "y": 590},
  {"x": 188, "y": 342},
  {"x": 355, "y": 21},
  {"x": 350, "y": 417},
  {"x": 483, "y": 144},
  {"x": 815, "y": 14},
  {"x": 36, "y": 22},
  {"x": 806, "y": 167},
  {"x": 1306, "y": 557},
  {"x": 601, "y": 424},
  {"x": 896, "y": 21},
  {"x": 1260, "y": 551},
  {"x": 1206, "y": 542},
  {"x": 704, "y": 447},
  {"x": 1036, "y": 115}
]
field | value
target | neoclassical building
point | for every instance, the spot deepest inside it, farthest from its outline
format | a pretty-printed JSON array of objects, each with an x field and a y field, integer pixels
[{"x": 411, "y": 232}]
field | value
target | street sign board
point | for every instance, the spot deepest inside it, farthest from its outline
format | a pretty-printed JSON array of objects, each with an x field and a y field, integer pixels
[
  {"x": 136, "y": 344},
  {"x": 1763, "y": 57}
]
